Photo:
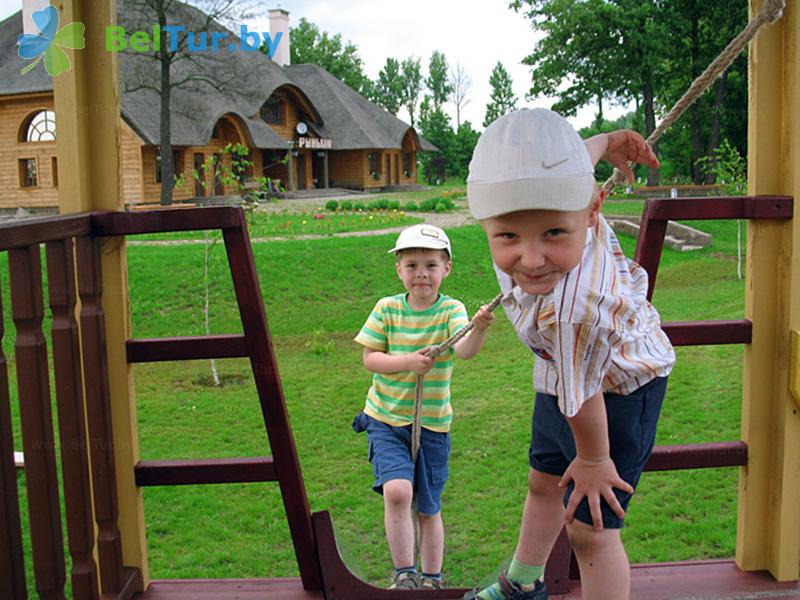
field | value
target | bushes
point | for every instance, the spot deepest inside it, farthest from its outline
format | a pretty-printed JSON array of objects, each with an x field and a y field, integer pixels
[{"x": 436, "y": 205}]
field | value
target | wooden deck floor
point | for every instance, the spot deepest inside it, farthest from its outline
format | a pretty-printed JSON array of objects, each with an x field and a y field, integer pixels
[
  {"x": 702, "y": 580},
  {"x": 706, "y": 580}
]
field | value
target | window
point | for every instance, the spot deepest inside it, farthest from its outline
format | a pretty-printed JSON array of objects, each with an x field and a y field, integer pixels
[
  {"x": 407, "y": 163},
  {"x": 272, "y": 111},
  {"x": 177, "y": 163},
  {"x": 41, "y": 127},
  {"x": 54, "y": 163},
  {"x": 27, "y": 173},
  {"x": 374, "y": 163}
]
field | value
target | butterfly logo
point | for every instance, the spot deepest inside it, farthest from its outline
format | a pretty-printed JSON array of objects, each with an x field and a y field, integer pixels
[{"x": 49, "y": 42}]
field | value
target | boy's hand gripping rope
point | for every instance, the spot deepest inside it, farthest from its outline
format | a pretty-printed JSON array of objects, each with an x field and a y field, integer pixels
[
  {"x": 771, "y": 11},
  {"x": 433, "y": 352}
]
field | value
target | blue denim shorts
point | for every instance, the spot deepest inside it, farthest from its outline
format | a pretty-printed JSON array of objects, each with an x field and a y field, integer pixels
[
  {"x": 632, "y": 422},
  {"x": 390, "y": 455}
]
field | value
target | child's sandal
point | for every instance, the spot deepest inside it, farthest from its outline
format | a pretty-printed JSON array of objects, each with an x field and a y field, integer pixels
[{"x": 512, "y": 591}]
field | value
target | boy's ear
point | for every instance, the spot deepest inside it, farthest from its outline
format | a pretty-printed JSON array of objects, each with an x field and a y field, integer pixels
[
  {"x": 448, "y": 266},
  {"x": 596, "y": 205}
]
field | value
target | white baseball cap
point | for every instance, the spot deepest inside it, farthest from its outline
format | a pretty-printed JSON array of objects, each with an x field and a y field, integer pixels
[
  {"x": 422, "y": 236},
  {"x": 529, "y": 159}
]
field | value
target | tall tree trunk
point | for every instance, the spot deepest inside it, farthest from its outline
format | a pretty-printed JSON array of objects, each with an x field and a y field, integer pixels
[
  {"x": 716, "y": 126},
  {"x": 167, "y": 166},
  {"x": 650, "y": 126},
  {"x": 697, "y": 142},
  {"x": 599, "y": 115}
]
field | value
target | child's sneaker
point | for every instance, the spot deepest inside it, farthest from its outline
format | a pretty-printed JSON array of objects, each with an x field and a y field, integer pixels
[
  {"x": 407, "y": 580},
  {"x": 430, "y": 583},
  {"x": 512, "y": 591}
]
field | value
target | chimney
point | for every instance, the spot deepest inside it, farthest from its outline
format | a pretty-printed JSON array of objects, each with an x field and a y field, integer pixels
[
  {"x": 279, "y": 23},
  {"x": 28, "y": 8}
]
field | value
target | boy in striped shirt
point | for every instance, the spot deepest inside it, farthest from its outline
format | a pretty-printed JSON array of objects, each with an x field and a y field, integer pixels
[
  {"x": 602, "y": 359},
  {"x": 396, "y": 337}
]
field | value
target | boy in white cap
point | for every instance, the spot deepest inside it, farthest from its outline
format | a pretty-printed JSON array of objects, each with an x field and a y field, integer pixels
[
  {"x": 396, "y": 337},
  {"x": 602, "y": 359}
]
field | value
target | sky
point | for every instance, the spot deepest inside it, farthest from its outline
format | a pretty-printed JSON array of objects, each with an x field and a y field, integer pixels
[{"x": 475, "y": 35}]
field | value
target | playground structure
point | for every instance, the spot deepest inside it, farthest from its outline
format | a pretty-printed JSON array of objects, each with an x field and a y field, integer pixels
[{"x": 105, "y": 491}]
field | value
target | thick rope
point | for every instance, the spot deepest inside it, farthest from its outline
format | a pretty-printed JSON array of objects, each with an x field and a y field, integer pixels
[
  {"x": 770, "y": 12},
  {"x": 433, "y": 352}
]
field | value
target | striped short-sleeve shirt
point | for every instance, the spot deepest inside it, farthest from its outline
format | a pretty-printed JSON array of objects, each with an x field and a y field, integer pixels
[
  {"x": 394, "y": 327},
  {"x": 595, "y": 330}
]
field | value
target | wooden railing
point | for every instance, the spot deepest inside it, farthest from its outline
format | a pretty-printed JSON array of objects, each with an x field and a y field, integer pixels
[
  {"x": 82, "y": 387},
  {"x": 85, "y": 444}
]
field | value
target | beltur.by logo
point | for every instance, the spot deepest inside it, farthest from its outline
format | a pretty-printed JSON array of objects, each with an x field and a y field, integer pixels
[
  {"x": 117, "y": 40},
  {"x": 48, "y": 43}
]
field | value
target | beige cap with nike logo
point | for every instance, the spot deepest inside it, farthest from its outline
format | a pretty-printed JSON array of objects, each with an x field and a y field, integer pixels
[{"x": 529, "y": 159}]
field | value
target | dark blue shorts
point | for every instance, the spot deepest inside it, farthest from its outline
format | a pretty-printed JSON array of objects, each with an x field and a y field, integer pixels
[
  {"x": 390, "y": 455},
  {"x": 632, "y": 421}
]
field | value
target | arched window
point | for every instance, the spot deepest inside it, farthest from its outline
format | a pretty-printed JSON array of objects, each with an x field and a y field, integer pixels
[
  {"x": 273, "y": 112},
  {"x": 41, "y": 127}
]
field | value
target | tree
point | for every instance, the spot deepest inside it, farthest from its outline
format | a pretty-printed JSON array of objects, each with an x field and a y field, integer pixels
[
  {"x": 463, "y": 146},
  {"x": 412, "y": 85},
  {"x": 461, "y": 84},
  {"x": 437, "y": 81},
  {"x": 434, "y": 126},
  {"x": 341, "y": 60},
  {"x": 390, "y": 87},
  {"x": 646, "y": 52},
  {"x": 171, "y": 65},
  {"x": 502, "y": 97}
]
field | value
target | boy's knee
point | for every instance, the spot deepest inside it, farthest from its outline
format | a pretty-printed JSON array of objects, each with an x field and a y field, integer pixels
[
  {"x": 587, "y": 541},
  {"x": 398, "y": 492},
  {"x": 544, "y": 486},
  {"x": 424, "y": 519}
]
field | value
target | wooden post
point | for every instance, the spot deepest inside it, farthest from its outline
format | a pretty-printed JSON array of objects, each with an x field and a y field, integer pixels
[
  {"x": 768, "y": 533},
  {"x": 87, "y": 108}
]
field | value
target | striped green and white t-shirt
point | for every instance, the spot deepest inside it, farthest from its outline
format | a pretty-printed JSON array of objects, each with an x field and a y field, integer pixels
[{"x": 394, "y": 327}]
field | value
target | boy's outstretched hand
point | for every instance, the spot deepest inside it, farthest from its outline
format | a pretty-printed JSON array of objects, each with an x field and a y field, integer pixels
[{"x": 624, "y": 146}]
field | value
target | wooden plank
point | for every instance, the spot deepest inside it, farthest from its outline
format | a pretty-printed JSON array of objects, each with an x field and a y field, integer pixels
[
  {"x": 229, "y": 589},
  {"x": 701, "y": 580},
  {"x": 272, "y": 401},
  {"x": 12, "y": 567},
  {"x": 186, "y": 348},
  {"x": 697, "y": 456},
  {"x": 649, "y": 246},
  {"x": 557, "y": 570},
  {"x": 41, "y": 478},
  {"x": 700, "y": 333},
  {"x": 156, "y": 221},
  {"x": 721, "y": 207},
  {"x": 205, "y": 471},
  {"x": 342, "y": 584},
  {"x": 22, "y": 233},
  {"x": 98, "y": 411},
  {"x": 132, "y": 583},
  {"x": 71, "y": 420}
]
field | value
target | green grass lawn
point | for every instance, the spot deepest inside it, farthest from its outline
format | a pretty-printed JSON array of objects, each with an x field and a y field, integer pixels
[
  {"x": 317, "y": 295},
  {"x": 304, "y": 222}
]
